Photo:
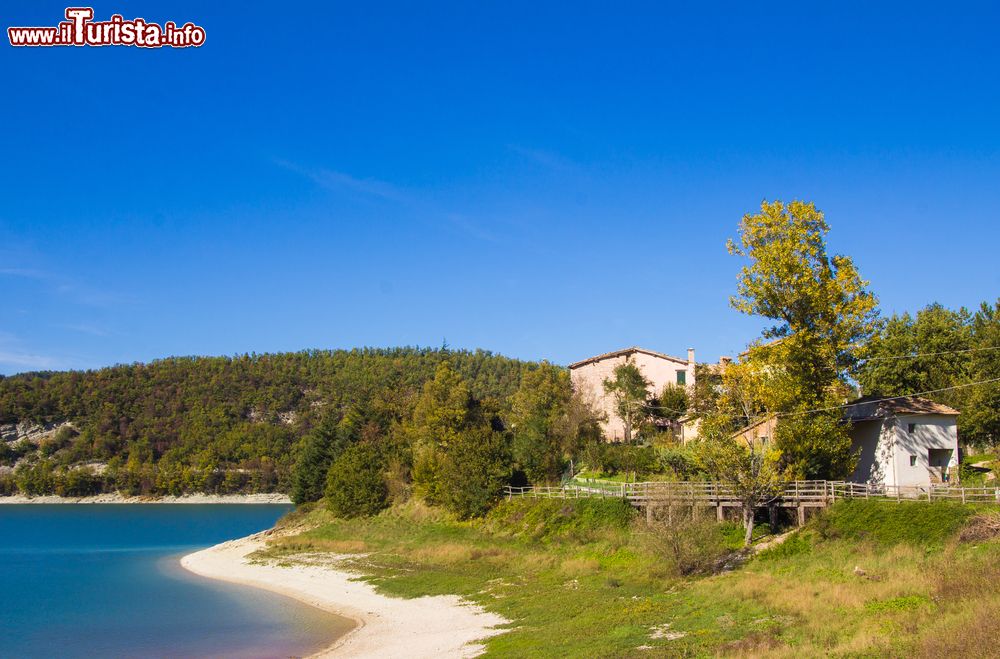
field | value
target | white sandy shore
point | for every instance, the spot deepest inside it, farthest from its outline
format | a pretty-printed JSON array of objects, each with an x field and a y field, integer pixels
[
  {"x": 441, "y": 626},
  {"x": 120, "y": 498}
]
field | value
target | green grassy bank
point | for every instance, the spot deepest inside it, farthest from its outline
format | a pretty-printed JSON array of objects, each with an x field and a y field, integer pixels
[{"x": 587, "y": 578}]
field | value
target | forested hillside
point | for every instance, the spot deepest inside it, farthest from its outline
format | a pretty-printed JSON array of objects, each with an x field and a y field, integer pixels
[{"x": 212, "y": 424}]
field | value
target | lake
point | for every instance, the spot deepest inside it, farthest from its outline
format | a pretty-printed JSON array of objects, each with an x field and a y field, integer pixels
[{"x": 104, "y": 581}]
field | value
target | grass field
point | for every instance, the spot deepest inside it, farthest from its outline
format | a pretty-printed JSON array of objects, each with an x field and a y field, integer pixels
[{"x": 586, "y": 578}]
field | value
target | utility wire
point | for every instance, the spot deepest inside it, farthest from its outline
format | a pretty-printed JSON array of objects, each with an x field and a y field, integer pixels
[
  {"x": 833, "y": 407},
  {"x": 846, "y": 405},
  {"x": 926, "y": 354},
  {"x": 888, "y": 398}
]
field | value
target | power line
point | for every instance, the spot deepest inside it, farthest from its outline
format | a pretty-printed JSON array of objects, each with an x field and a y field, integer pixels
[
  {"x": 882, "y": 400},
  {"x": 833, "y": 407},
  {"x": 927, "y": 354}
]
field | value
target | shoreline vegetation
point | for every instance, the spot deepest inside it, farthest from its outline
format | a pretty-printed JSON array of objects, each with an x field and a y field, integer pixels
[
  {"x": 118, "y": 498},
  {"x": 424, "y": 627},
  {"x": 581, "y": 578}
]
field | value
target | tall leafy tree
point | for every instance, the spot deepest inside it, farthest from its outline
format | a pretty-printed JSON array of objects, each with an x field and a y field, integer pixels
[
  {"x": 672, "y": 402},
  {"x": 822, "y": 310},
  {"x": 630, "y": 391},
  {"x": 473, "y": 471},
  {"x": 822, "y": 314},
  {"x": 444, "y": 409},
  {"x": 944, "y": 352},
  {"x": 752, "y": 470},
  {"x": 980, "y": 420},
  {"x": 550, "y": 423},
  {"x": 356, "y": 483},
  {"x": 918, "y": 354},
  {"x": 578, "y": 428},
  {"x": 319, "y": 449},
  {"x": 536, "y": 409}
]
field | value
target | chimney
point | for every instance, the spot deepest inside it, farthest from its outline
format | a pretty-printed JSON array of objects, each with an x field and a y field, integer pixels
[{"x": 691, "y": 356}]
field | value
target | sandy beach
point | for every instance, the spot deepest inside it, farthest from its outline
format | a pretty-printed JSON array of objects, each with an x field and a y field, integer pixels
[
  {"x": 120, "y": 498},
  {"x": 440, "y": 626}
]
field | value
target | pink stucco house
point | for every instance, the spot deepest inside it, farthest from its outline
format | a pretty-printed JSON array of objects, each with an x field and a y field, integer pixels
[{"x": 588, "y": 377}]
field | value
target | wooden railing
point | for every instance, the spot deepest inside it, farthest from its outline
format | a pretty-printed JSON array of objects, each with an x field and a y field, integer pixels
[
  {"x": 564, "y": 492},
  {"x": 795, "y": 494},
  {"x": 841, "y": 490}
]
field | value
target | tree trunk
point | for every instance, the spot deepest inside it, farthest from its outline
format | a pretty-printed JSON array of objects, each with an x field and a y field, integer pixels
[{"x": 747, "y": 524}]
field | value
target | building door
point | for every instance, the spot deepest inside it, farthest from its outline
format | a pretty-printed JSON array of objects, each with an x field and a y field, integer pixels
[{"x": 937, "y": 464}]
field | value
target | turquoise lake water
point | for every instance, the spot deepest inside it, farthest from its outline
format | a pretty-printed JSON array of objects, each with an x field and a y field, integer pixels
[{"x": 104, "y": 581}]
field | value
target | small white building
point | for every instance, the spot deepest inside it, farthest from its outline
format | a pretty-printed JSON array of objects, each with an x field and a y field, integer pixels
[
  {"x": 904, "y": 441},
  {"x": 588, "y": 377}
]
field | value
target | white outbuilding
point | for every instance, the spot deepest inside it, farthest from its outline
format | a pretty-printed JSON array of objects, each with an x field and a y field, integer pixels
[{"x": 904, "y": 441}]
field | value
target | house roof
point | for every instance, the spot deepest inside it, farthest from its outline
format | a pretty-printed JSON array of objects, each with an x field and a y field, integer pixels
[
  {"x": 874, "y": 407},
  {"x": 624, "y": 352}
]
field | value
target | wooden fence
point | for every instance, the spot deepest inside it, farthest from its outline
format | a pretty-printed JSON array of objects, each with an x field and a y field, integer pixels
[{"x": 797, "y": 494}]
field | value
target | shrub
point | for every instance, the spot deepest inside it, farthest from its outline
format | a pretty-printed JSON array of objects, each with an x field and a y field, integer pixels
[
  {"x": 679, "y": 461},
  {"x": 689, "y": 545},
  {"x": 814, "y": 446},
  {"x": 473, "y": 471},
  {"x": 629, "y": 459},
  {"x": 972, "y": 476},
  {"x": 355, "y": 486},
  {"x": 35, "y": 479},
  {"x": 80, "y": 482},
  {"x": 59, "y": 440},
  {"x": 8, "y": 487}
]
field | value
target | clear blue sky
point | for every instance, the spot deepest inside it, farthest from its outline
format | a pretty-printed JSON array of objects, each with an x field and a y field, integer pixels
[{"x": 525, "y": 178}]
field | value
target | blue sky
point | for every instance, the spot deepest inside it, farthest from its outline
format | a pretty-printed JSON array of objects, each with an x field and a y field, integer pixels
[{"x": 519, "y": 177}]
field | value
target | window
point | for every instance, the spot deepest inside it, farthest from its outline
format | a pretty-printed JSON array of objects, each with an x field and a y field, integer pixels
[
  {"x": 911, "y": 428},
  {"x": 763, "y": 440},
  {"x": 913, "y": 458},
  {"x": 681, "y": 377}
]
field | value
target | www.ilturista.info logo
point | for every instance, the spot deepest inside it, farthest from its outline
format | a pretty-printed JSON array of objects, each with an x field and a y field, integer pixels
[{"x": 79, "y": 29}]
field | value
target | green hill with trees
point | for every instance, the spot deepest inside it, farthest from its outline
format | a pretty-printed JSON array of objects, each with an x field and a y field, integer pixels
[{"x": 224, "y": 424}]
